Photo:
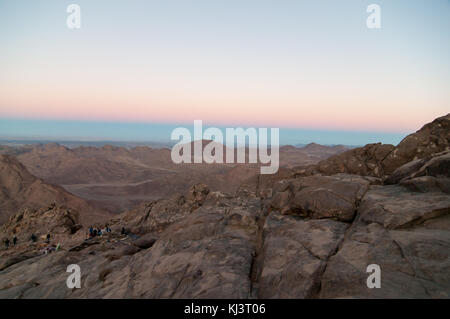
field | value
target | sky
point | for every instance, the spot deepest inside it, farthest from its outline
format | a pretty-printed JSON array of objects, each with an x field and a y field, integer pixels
[{"x": 136, "y": 69}]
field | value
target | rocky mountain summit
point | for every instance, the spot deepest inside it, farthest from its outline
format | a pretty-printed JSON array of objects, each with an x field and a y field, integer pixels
[{"x": 306, "y": 232}]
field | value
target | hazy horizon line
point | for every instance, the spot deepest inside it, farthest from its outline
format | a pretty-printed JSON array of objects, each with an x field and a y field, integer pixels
[
  {"x": 104, "y": 142},
  {"x": 157, "y": 132}
]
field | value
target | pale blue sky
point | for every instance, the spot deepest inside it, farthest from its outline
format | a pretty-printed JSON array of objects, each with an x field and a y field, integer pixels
[{"x": 311, "y": 66}]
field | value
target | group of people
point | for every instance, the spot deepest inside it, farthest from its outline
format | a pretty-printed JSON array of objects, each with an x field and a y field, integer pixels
[
  {"x": 33, "y": 239},
  {"x": 7, "y": 242},
  {"x": 94, "y": 232}
]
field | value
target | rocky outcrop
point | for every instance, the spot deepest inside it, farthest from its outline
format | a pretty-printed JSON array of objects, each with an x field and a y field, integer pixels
[
  {"x": 61, "y": 223},
  {"x": 395, "y": 207},
  {"x": 380, "y": 160},
  {"x": 318, "y": 197},
  {"x": 424, "y": 175},
  {"x": 155, "y": 216},
  {"x": 407, "y": 234},
  {"x": 55, "y": 219},
  {"x": 208, "y": 254},
  {"x": 19, "y": 190},
  {"x": 366, "y": 161},
  {"x": 432, "y": 138}
]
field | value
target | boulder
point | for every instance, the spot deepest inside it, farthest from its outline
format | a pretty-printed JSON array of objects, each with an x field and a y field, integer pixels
[
  {"x": 425, "y": 184},
  {"x": 396, "y": 207},
  {"x": 145, "y": 241},
  {"x": 365, "y": 161},
  {"x": 436, "y": 165},
  {"x": 320, "y": 197}
]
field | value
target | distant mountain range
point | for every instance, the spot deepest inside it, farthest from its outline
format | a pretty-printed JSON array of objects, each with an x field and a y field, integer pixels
[
  {"x": 119, "y": 177},
  {"x": 309, "y": 231},
  {"x": 74, "y": 143}
]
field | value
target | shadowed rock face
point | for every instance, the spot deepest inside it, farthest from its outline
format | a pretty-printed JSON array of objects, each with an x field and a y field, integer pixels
[{"x": 287, "y": 236}]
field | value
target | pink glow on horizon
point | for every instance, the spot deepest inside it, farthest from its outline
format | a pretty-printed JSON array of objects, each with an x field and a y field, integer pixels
[
  {"x": 341, "y": 108},
  {"x": 364, "y": 121}
]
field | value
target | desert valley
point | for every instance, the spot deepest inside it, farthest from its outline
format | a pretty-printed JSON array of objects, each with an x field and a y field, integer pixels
[{"x": 117, "y": 178}]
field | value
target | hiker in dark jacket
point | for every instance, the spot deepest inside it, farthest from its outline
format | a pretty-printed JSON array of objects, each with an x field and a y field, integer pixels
[
  {"x": 14, "y": 240},
  {"x": 6, "y": 243},
  {"x": 33, "y": 238},
  {"x": 48, "y": 238}
]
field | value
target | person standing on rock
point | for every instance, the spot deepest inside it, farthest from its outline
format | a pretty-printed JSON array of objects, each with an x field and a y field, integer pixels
[
  {"x": 7, "y": 243},
  {"x": 48, "y": 238},
  {"x": 14, "y": 240},
  {"x": 33, "y": 238}
]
